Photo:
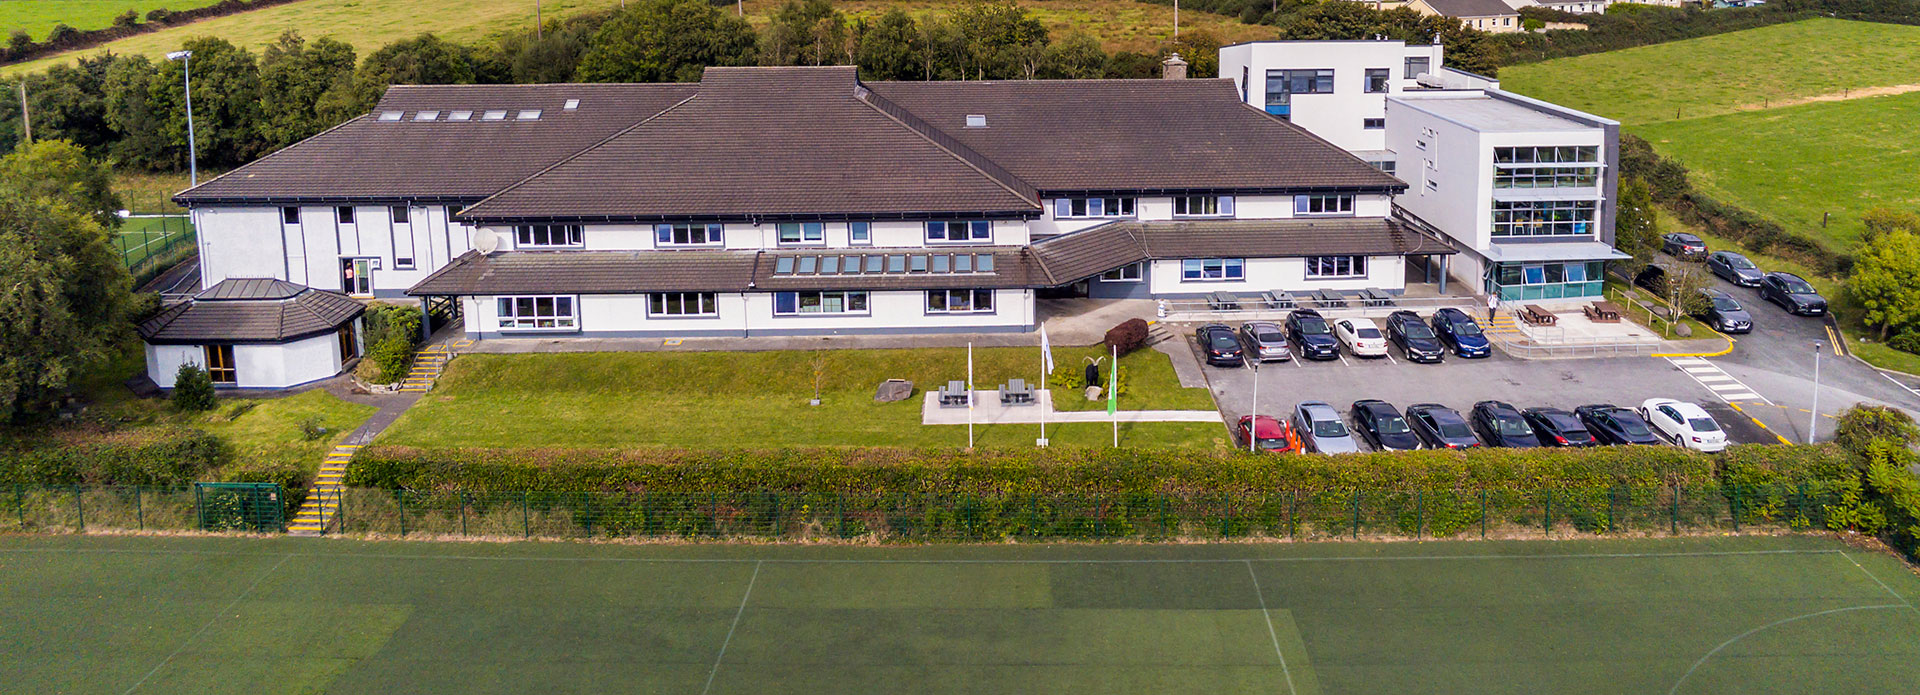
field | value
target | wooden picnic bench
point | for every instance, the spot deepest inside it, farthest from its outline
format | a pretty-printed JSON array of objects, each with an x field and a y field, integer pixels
[
  {"x": 1277, "y": 300},
  {"x": 1373, "y": 297},
  {"x": 1330, "y": 298},
  {"x": 1223, "y": 301},
  {"x": 1536, "y": 315},
  {"x": 1602, "y": 312},
  {"x": 955, "y": 395}
]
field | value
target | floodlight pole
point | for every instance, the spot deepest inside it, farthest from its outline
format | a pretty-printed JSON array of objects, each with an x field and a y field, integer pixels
[
  {"x": 1813, "y": 416},
  {"x": 193, "y": 156},
  {"x": 26, "y": 119},
  {"x": 1253, "y": 426}
]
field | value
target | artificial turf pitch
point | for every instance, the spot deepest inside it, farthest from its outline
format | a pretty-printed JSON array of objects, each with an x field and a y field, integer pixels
[{"x": 235, "y": 615}]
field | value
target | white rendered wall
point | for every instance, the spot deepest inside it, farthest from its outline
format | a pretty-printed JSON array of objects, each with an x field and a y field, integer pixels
[
  {"x": 1337, "y": 117},
  {"x": 1279, "y": 275},
  {"x": 253, "y": 242},
  {"x": 255, "y": 366},
  {"x": 752, "y": 314}
]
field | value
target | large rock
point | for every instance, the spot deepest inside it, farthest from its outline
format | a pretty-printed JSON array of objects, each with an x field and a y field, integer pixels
[
  {"x": 893, "y": 390},
  {"x": 1682, "y": 330}
]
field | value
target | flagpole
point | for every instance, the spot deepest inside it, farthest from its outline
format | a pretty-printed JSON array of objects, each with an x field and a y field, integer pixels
[
  {"x": 969, "y": 394},
  {"x": 1113, "y": 395},
  {"x": 1043, "y": 387},
  {"x": 1253, "y": 426}
]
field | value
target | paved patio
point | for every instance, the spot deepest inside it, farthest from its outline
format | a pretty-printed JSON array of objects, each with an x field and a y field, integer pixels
[{"x": 988, "y": 411}]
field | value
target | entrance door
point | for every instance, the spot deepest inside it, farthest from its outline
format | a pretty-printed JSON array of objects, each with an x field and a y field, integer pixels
[
  {"x": 356, "y": 276},
  {"x": 349, "y": 344}
]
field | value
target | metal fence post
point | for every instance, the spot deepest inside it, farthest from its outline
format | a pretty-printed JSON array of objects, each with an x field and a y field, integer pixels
[
  {"x": 1293, "y": 513},
  {"x": 401, "y": 497},
  {"x": 1613, "y": 516},
  {"x": 1733, "y": 508},
  {"x": 79, "y": 509},
  {"x": 139, "y": 508},
  {"x": 1546, "y": 523},
  {"x": 20, "y": 503},
  {"x": 1419, "y": 512},
  {"x": 463, "y": 512},
  {"x": 199, "y": 507},
  {"x": 1356, "y": 515},
  {"x": 526, "y": 520},
  {"x": 1226, "y": 514},
  {"x": 586, "y": 505},
  {"x": 840, "y": 513},
  {"x": 1673, "y": 519}
]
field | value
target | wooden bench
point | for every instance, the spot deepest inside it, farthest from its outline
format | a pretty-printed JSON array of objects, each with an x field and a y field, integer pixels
[
  {"x": 1277, "y": 300},
  {"x": 1602, "y": 312},
  {"x": 1223, "y": 301},
  {"x": 1373, "y": 297},
  {"x": 1536, "y": 315},
  {"x": 1330, "y": 298}
]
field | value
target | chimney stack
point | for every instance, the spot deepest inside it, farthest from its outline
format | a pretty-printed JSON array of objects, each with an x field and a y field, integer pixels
[{"x": 1173, "y": 68}]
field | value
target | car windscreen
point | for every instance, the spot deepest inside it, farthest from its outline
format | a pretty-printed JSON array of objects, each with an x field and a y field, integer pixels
[
  {"x": 1798, "y": 287},
  {"x": 1631, "y": 424},
  {"x": 1702, "y": 424},
  {"x": 1313, "y": 327},
  {"x": 1725, "y": 304},
  {"x": 1466, "y": 328},
  {"x": 1270, "y": 337},
  {"x": 1222, "y": 340},
  {"x": 1741, "y": 263},
  {"x": 1366, "y": 333},
  {"x": 1455, "y": 430},
  {"x": 1511, "y": 427},
  {"x": 1329, "y": 428},
  {"x": 1391, "y": 424},
  {"x": 1416, "y": 330}
]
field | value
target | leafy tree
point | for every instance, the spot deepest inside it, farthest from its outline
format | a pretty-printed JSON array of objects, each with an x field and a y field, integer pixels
[
  {"x": 997, "y": 39},
  {"x": 297, "y": 75},
  {"x": 1078, "y": 56},
  {"x": 226, "y": 104},
  {"x": 1635, "y": 228},
  {"x": 138, "y": 141},
  {"x": 193, "y": 389},
  {"x": 67, "y": 104},
  {"x": 1865, "y": 423},
  {"x": 1467, "y": 49},
  {"x": 666, "y": 41},
  {"x": 1881, "y": 220},
  {"x": 423, "y": 59},
  {"x": 63, "y": 296},
  {"x": 61, "y": 172},
  {"x": 1201, "y": 50},
  {"x": 1886, "y": 280},
  {"x": 552, "y": 56},
  {"x": 805, "y": 32},
  {"x": 890, "y": 47}
]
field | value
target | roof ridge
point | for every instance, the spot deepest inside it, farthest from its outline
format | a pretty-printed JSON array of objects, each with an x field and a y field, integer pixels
[
  {"x": 947, "y": 143},
  {"x": 569, "y": 158}
]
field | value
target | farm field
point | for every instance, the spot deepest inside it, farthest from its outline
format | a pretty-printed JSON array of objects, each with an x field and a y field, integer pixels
[
  {"x": 370, "y": 24},
  {"x": 38, "y": 17},
  {"x": 235, "y": 615},
  {"x": 1737, "y": 71}
]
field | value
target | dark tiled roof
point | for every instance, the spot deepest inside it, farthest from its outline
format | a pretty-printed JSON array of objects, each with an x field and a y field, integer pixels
[
  {"x": 1095, "y": 135},
  {"x": 370, "y": 159},
  {"x": 1472, "y": 8},
  {"x": 1089, "y": 252},
  {"x": 251, "y": 311},
  {"x": 1012, "y": 267},
  {"x": 1076, "y": 255},
  {"x": 591, "y": 272},
  {"x": 767, "y": 142}
]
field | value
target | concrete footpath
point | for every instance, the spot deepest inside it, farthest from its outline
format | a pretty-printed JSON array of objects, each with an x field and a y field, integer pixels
[{"x": 988, "y": 411}]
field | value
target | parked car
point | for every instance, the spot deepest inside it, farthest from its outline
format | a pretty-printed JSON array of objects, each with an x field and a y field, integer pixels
[
  {"x": 1320, "y": 429},
  {"x": 1309, "y": 331},
  {"x": 1360, "y": 337},
  {"x": 1612, "y": 424},
  {"x": 1382, "y": 426},
  {"x": 1684, "y": 424},
  {"x": 1653, "y": 279},
  {"x": 1683, "y": 246},
  {"x": 1735, "y": 268},
  {"x": 1441, "y": 427},
  {"x": 1415, "y": 339},
  {"x": 1460, "y": 332},
  {"x": 1265, "y": 341},
  {"x": 1219, "y": 344},
  {"x": 1725, "y": 314},
  {"x": 1792, "y": 294},
  {"x": 1556, "y": 427},
  {"x": 1269, "y": 435},
  {"x": 1501, "y": 424}
]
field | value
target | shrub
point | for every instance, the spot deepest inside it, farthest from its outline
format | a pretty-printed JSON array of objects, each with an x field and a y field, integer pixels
[
  {"x": 389, "y": 360},
  {"x": 313, "y": 428},
  {"x": 61, "y": 33},
  {"x": 1130, "y": 335},
  {"x": 293, "y": 481},
  {"x": 1906, "y": 341},
  {"x": 164, "y": 457},
  {"x": 1862, "y": 424},
  {"x": 384, "y": 321},
  {"x": 193, "y": 389},
  {"x": 160, "y": 15},
  {"x": 127, "y": 20},
  {"x": 1069, "y": 380}
]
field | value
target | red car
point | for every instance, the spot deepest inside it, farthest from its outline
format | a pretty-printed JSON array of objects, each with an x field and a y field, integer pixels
[{"x": 1268, "y": 434}]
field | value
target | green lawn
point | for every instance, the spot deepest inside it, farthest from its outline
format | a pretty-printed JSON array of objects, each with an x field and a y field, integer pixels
[
  {"x": 1727, "y": 72},
  {"x": 37, "y": 17},
  {"x": 717, "y": 399},
  {"x": 1800, "y": 163},
  {"x": 208, "y": 616},
  {"x": 268, "y": 430}
]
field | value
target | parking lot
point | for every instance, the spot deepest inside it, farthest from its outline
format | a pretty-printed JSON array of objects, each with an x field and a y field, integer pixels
[{"x": 1459, "y": 383}]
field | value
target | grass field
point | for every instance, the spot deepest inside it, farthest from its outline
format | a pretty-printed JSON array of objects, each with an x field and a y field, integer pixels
[
  {"x": 706, "y": 399},
  {"x": 370, "y": 24},
  {"x": 220, "y": 615},
  {"x": 1728, "y": 72},
  {"x": 37, "y": 17}
]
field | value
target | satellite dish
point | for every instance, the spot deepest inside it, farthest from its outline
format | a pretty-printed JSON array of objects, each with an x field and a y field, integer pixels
[{"x": 486, "y": 242}]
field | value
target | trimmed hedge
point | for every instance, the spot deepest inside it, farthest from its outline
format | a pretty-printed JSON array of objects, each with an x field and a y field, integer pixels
[{"x": 168, "y": 457}]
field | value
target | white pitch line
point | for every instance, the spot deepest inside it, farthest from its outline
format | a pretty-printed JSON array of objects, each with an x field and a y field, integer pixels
[
  {"x": 1271, "y": 634},
  {"x": 736, "y": 626}
]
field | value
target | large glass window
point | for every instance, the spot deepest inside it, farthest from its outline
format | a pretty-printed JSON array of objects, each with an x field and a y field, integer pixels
[
  {"x": 1077, "y": 208},
  {"x": 1329, "y": 267},
  {"x": 546, "y": 235},
  {"x": 1377, "y": 80},
  {"x": 793, "y": 303},
  {"x": 1213, "y": 269},
  {"x": 1283, "y": 84},
  {"x": 802, "y": 232},
  {"x": 1203, "y": 206},
  {"x": 1416, "y": 65},
  {"x": 682, "y": 304},
  {"x": 535, "y": 313},
  {"x": 959, "y": 231},
  {"x": 688, "y": 234},
  {"x": 220, "y": 365},
  {"x": 1131, "y": 272},
  {"x": 959, "y": 301},
  {"x": 1546, "y": 167},
  {"x": 1323, "y": 205},
  {"x": 1543, "y": 217}
]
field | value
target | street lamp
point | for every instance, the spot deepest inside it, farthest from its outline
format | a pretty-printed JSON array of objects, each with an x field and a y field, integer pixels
[
  {"x": 1813, "y": 419},
  {"x": 193, "y": 157}
]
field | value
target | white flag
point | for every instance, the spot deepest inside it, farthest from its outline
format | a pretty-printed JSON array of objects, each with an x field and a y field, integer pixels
[{"x": 1046, "y": 350}]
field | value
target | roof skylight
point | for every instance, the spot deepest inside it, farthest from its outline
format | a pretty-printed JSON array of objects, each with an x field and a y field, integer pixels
[
  {"x": 460, "y": 116},
  {"x": 426, "y": 115},
  {"x": 494, "y": 115},
  {"x": 391, "y": 115}
]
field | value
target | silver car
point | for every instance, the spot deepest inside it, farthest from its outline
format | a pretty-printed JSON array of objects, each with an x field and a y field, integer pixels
[
  {"x": 1320, "y": 428},
  {"x": 1265, "y": 341}
]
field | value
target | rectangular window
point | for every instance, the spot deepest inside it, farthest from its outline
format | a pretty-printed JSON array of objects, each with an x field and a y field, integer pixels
[
  {"x": 959, "y": 231},
  {"x": 530, "y": 236},
  {"x": 1546, "y": 167},
  {"x": 683, "y": 304},
  {"x": 860, "y": 233},
  {"x": 1323, "y": 205},
  {"x": 1203, "y": 206},
  {"x": 1373, "y": 123},
  {"x": 1329, "y": 267},
  {"x": 688, "y": 234},
  {"x": 959, "y": 301},
  {"x": 535, "y": 313},
  {"x": 344, "y": 213},
  {"x": 1132, "y": 272},
  {"x": 1513, "y": 218},
  {"x": 1377, "y": 80},
  {"x": 400, "y": 214},
  {"x": 801, "y": 232},
  {"x": 1283, "y": 84},
  {"x": 289, "y": 215},
  {"x": 1085, "y": 208},
  {"x": 799, "y": 303},
  {"x": 1386, "y": 165},
  {"x": 1416, "y": 65},
  {"x": 1213, "y": 269},
  {"x": 220, "y": 365}
]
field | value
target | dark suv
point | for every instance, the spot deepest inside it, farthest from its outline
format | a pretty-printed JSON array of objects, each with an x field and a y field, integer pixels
[
  {"x": 1501, "y": 424},
  {"x": 1458, "y": 330},
  {"x": 1311, "y": 335},
  {"x": 1405, "y": 329},
  {"x": 1219, "y": 344},
  {"x": 1792, "y": 294}
]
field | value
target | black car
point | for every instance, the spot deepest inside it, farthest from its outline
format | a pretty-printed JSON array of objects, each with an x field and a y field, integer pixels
[
  {"x": 1383, "y": 427},
  {"x": 1460, "y": 332},
  {"x": 1683, "y": 246},
  {"x": 1556, "y": 427},
  {"x": 1612, "y": 424},
  {"x": 1792, "y": 294},
  {"x": 1725, "y": 314},
  {"x": 1735, "y": 268},
  {"x": 1416, "y": 340},
  {"x": 1501, "y": 424},
  {"x": 1312, "y": 335},
  {"x": 1653, "y": 279},
  {"x": 1220, "y": 345},
  {"x": 1441, "y": 427}
]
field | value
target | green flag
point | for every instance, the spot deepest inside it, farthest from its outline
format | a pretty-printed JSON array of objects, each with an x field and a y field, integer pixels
[{"x": 1113, "y": 383}]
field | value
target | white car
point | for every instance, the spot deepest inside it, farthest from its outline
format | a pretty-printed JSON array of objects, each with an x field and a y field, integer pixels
[
  {"x": 1361, "y": 337},
  {"x": 1684, "y": 424}
]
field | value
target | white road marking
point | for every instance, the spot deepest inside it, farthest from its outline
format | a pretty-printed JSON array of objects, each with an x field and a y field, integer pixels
[{"x": 1716, "y": 380}]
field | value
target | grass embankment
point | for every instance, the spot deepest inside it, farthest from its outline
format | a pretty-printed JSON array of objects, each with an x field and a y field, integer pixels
[
  {"x": 38, "y": 17},
  {"x": 1742, "y": 70},
  {"x": 759, "y": 400}
]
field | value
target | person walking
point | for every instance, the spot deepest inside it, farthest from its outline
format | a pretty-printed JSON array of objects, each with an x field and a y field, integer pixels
[{"x": 1493, "y": 304}]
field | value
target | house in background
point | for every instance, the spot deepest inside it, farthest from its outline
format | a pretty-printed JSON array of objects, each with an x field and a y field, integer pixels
[
  {"x": 1494, "y": 16},
  {"x": 255, "y": 333}
]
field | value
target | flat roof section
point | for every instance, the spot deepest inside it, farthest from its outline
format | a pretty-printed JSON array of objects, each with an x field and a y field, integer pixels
[{"x": 1490, "y": 115}]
